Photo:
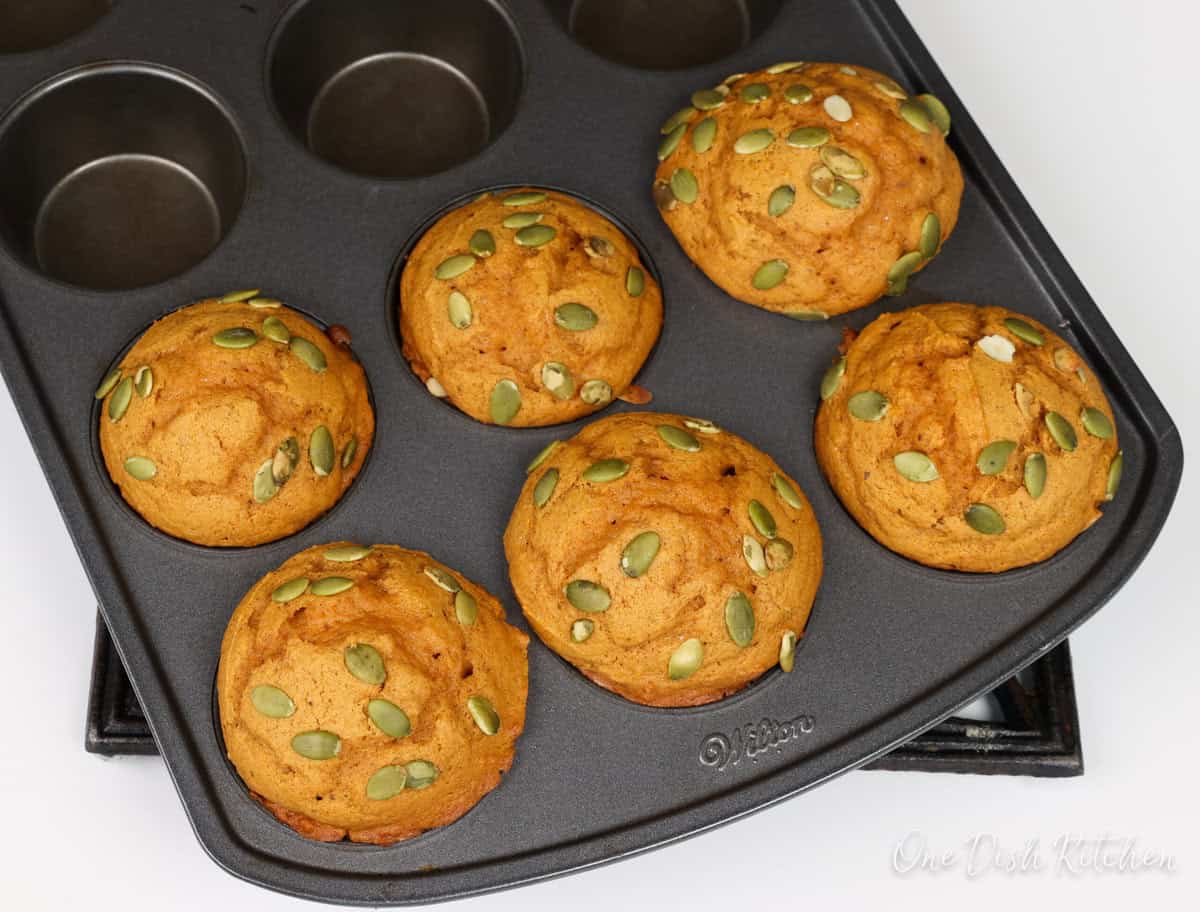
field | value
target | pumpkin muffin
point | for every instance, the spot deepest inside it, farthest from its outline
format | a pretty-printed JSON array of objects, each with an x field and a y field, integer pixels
[
  {"x": 809, "y": 189},
  {"x": 370, "y": 693},
  {"x": 525, "y": 307},
  {"x": 235, "y": 421},
  {"x": 668, "y": 560},
  {"x": 967, "y": 438}
]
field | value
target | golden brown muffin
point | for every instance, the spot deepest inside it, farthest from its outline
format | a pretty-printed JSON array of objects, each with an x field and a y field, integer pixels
[
  {"x": 235, "y": 421},
  {"x": 809, "y": 189},
  {"x": 370, "y": 693},
  {"x": 668, "y": 560},
  {"x": 526, "y": 307},
  {"x": 967, "y": 438}
]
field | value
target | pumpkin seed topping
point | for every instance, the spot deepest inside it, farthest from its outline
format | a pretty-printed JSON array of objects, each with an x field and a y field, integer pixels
[
  {"x": 707, "y": 99},
  {"x": 264, "y": 486},
  {"x": 915, "y": 466},
  {"x": 739, "y": 619},
  {"x": 386, "y": 782},
  {"x": 832, "y": 381},
  {"x": 762, "y": 519},
  {"x": 320, "y": 451},
  {"x": 522, "y": 220},
  {"x": 482, "y": 244},
  {"x": 264, "y": 303},
  {"x": 753, "y": 142},
  {"x": 997, "y": 348},
  {"x": 684, "y": 186},
  {"x": 776, "y": 68},
  {"x": 524, "y": 198},
  {"x": 787, "y": 493},
  {"x": 292, "y": 589},
  {"x": 798, "y": 93},
  {"x": 1115, "y": 469},
  {"x": 582, "y": 629},
  {"x": 421, "y": 774},
  {"x": 236, "y": 297},
  {"x": 994, "y": 457},
  {"x": 365, "y": 663},
  {"x": 575, "y": 317},
  {"x": 755, "y": 92},
  {"x": 308, "y": 353},
  {"x": 143, "y": 381},
  {"x": 317, "y": 745},
  {"x": 769, "y": 274},
  {"x": 682, "y": 117},
  {"x": 755, "y": 557},
  {"x": 285, "y": 460},
  {"x": 347, "y": 554},
  {"x": 443, "y": 579},
  {"x": 868, "y": 405},
  {"x": 931, "y": 236},
  {"x": 685, "y": 660},
  {"x": 458, "y": 309},
  {"x": 141, "y": 467},
  {"x": 842, "y": 163},
  {"x": 236, "y": 337},
  {"x": 1035, "y": 474},
  {"x": 1096, "y": 423},
  {"x": 587, "y": 596},
  {"x": 1025, "y": 399},
  {"x": 639, "y": 554},
  {"x": 505, "y": 401},
  {"x": 836, "y": 193},
  {"x": 598, "y": 247},
  {"x": 678, "y": 438},
  {"x": 466, "y": 608},
  {"x": 670, "y": 142},
  {"x": 276, "y": 330},
  {"x": 984, "y": 519},
  {"x": 1061, "y": 430},
  {"x": 535, "y": 235},
  {"x": 703, "y": 135},
  {"x": 558, "y": 380},
  {"x": 779, "y": 553},
  {"x": 1067, "y": 361},
  {"x": 435, "y": 388},
  {"x": 902, "y": 269},
  {"x": 703, "y": 425},
  {"x": 606, "y": 470},
  {"x": 938, "y": 112},
  {"x": 807, "y": 316},
  {"x": 781, "y": 200},
  {"x": 916, "y": 115},
  {"x": 272, "y": 702},
  {"x": 787, "y": 651},
  {"x": 596, "y": 392},
  {"x": 1024, "y": 331},
  {"x": 808, "y": 137},
  {"x": 331, "y": 585},
  {"x": 543, "y": 453},
  {"x": 111, "y": 379},
  {"x": 635, "y": 281},
  {"x": 838, "y": 108},
  {"x": 544, "y": 489},
  {"x": 484, "y": 714},
  {"x": 453, "y": 267},
  {"x": 891, "y": 89}
]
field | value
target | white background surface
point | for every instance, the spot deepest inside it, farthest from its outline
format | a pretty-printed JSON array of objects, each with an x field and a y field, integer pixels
[{"x": 1093, "y": 107}]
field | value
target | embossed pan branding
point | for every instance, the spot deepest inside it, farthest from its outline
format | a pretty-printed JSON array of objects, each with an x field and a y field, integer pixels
[{"x": 752, "y": 740}]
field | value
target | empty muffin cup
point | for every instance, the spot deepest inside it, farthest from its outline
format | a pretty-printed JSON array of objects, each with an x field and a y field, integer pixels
[
  {"x": 396, "y": 90},
  {"x": 664, "y": 34},
  {"x": 31, "y": 25},
  {"x": 118, "y": 175}
]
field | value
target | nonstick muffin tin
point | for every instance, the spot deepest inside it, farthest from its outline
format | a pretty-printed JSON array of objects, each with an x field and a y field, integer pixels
[{"x": 169, "y": 143}]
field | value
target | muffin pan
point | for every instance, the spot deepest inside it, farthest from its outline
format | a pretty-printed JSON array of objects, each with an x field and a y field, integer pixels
[{"x": 234, "y": 137}]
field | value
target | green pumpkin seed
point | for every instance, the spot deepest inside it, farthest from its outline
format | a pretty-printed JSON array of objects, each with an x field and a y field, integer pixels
[
  {"x": 386, "y": 782},
  {"x": 891, "y": 89},
  {"x": 350, "y": 452},
  {"x": 330, "y": 585},
  {"x": 236, "y": 297},
  {"x": 587, "y": 596},
  {"x": 639, "y": 554},
  {"x": 807, "y": 316},
  {"x": 582, "y": 629},
  {"x": 703, "y": 425},
  {"x": 770, "y": 274},
  {"x": 598, "y": 247},
  {"x": 685, "y": 660},
  {"x": 776, "y": 68},
  {"x": 1035, "y": 474},
  {"x": 898, "y": 275},
  {"x": 753, "y": 142},
  {"x": 505, "y": 402},
  {"x": 1115, "y": 470},
  {"x": 755, "y": 92},
  {"x": 931, "y": 236},
  {"x": 684, "y": 186},
  {"x": 997, "y": 348},
  {"x": 118, "y": 405},
  {"x": 453, "y": 267},
  {"x": 458, "y": 309},
  {"x": 535, "y": 235},
  {"x": 798, "y": 93},
  {"x": 832, "y": 380},
  {"x": 317, "y": 745},
  {"x": 739, "y": 619},
  {"x": 707, "y": 99},
  {"x": 678, "y": 438},
  {"x": 915, "y": 466},
  {"x": 596, "y": 392},
  {"x": 421, "y": 774},
  {"x": 635, "y": 281},
  {"x": 838, "y": 108},
  {"x": 272, "y": 702},
  {"x": 543, "y": 453},
  {"x": 779, "y": 553},
  {"x": 544, "y": 489},
  {"x": 274, "y": 329},
  {"x": 1096, "y": 423},
  {"x": 575, "y": 317},
  {"x": 484, "y": 714},
  {"x": 524, "y": 198},
  {"x": 308, "y": 353},
  {"x": 557, "y": 379},
  {"x": 143, "y": 382},
  {"x": 762, "y": 519},
  {"x": 389, "y": 718},
  {"x": 1061, "y": 430},
  {"x": 236, "y": 337},
  {"x": 868, "y": 405},
  {"x": 606, "y": 470},
  {"x": 285, "y": 460},
  {"x": 704, "y": 135},
  {"x": 141, "y": 467},
  {"x": 320, "y": 451},
  {"x": 466, "y": 608},
  {"x": 842, "y": 163},
  {"x": 808, "y": 137},
  {"x": 292, "y": 589},
  {"x": 682, "y": 117},
  {"x": 521, "y": 220},
  {"x": 787, "y": 651},
  {"x": 755, "y": 557},
  {"x": 365, "y": 663},
  {"x": 1024, "y": 331},
  {"x": 994, "y": 457},
  {"x": 916, "y": 115},
  {"x": 347, "y": 554},
  {"x": 482, "y": 244},
  {"x": 443, "y": 579},
  {"x": 781, "y": 200},
  {"x": 983, "y": 519},
  {"x": 938, "y": 112},
  {"x": 264, "y": 303},
  {"x": 836, "y": 193},
  {"x": 106, "y": 385},
  {"x": 671, "y": 141},
  {"x": 265, "y": 486},
  {"x": 787, "y": 493}
]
